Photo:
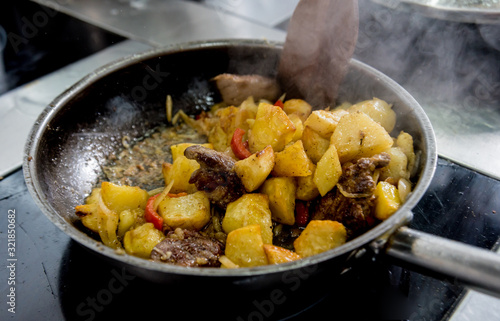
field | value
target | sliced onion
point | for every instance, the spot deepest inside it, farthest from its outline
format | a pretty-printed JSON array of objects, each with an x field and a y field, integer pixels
[
  {"x": 227, "y": 263},
  {"x": 108, "y": 225},
  {"x": 404, "y": 189},
  {"x": 169, "y": 108},
  {"x": 155, "y": 191},
  {"x": 376, "y": 176},
  {"x": 352, "y": 195},
  {"x": 125, "y": 142},
  {"x": 162, "y": 195}
]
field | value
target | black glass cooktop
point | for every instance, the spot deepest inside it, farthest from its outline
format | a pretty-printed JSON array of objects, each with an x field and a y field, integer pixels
[
  {"x": 53, "y": 278},
  {"x": 57, "y": 279},
  {"x": 36, "y": 40}
]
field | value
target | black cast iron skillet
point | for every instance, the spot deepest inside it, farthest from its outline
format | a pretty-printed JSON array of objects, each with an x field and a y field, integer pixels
[{"x": 74, "y": 134}]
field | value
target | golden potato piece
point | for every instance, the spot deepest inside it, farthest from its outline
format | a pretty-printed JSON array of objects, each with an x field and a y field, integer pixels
[
  {"x": 324, "y": 122},
  {"x": 320, "y": 236},
  {"x": 180, "y": 172},
  {"x": 128, "y": 220},
  {"x": 278, "y": 255},
  {"x": 141, "y": 240},
  {"x": 387, "y": 200},
  {"x": 218, "y": 138},
  {"x": 247, "y": 210},
  {"x": 306, "y": 188},
  {"x": 94, "y": 196},
  {"x": 191, "y": 212},
  {"x": 357, "y": 135},
  {"x": 378, "y": 110},
  {"x": 250, "y": 106},
  {"x": 119, "y": 198},
  {"x": 244, "y": 246},
  {"x": 271, "y": 127},
  {"x": 281, "y": 193},
  {"x": 89, "y": 215},
  {"x": 227, "y": 119},
  {"x": 398, "y": 166},
  {"x": 292, "y": 161},
  {"x": 178, "y": 149},
  {"x": 254, "y": 170},
  {"x": 405, "y": 142},
  {"x": 299, "y": 127},
  {"x": 299, "y": 107},
  {"x": 232, "y": 117},
  {"x": 314, "y": 144},
  {"x": 328, "y": 171}
]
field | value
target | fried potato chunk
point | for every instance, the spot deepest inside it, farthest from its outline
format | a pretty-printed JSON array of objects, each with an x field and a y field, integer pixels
[
  {"x": 180, "y": 172},
  {"x": 387, "y": 200},
  {"x": 298, "y": 107},
  {"x": 89, "y": 215},
  {"x": 141, "y": 240},
  {"x": 378, "y": 110},
  {"x": 190, "y": 212},
  {"x": 357, "y": 135},
  {"x": 299, "y": 127},
  {"x": 119, "y": 198},
  {"x": 254, "y": 170},
  {"x": 277, "y": 255},
  {"x": 405, "y": 142},
  {"x": 292, "y": 161},
  {"x": 328, "y": 171},
  {"x": 281, "y": 193},
  {"x": 271, "y": 127},
  {"x": 244, "y": 246},
  {"x": 315, "y": 145},
  {"x": 306, "y": 188},
  {"x": 324, "y": 122},
  {"x": 250, "y": 209},
  {"x": 320, "y": 236},
  {"x": 397, "y": 167},
  {"x": 128, "y": 220}
]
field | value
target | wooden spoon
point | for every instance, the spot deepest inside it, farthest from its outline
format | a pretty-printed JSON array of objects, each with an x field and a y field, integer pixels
[{"x": 320, "y": 42}]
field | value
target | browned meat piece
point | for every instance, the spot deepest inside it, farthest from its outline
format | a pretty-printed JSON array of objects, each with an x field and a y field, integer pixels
[
  {"x": 355, "y": 211},
  {"x": 357, "y": 177},
  {"x": 188, "y": 248},
  {"x": 234, "y": 89},
  {"x": 215, "y": 176}
]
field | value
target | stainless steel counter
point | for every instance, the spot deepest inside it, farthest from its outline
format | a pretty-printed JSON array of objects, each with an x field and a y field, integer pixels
[
  {"x": 160, "y": 23},
  {"x": 468, "y": 134}
]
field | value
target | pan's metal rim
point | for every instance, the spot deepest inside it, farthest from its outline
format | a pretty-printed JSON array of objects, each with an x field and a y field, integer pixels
[{"x": 379, "y": 232}]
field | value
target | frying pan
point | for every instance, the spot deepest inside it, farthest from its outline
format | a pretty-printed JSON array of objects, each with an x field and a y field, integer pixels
[{"x": 74, "y": 134}]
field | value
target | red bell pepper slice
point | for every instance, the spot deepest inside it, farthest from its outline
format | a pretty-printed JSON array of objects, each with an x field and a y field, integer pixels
[
  {"x": 150, "y": 214},
  {"x": 302, "y": 214},
  {"x": 279, "y": 103},
  {"x": 240, "y": 148}
]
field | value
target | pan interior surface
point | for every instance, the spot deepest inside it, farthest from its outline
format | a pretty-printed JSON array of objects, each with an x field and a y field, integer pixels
[{"x": 74, "y": 135}]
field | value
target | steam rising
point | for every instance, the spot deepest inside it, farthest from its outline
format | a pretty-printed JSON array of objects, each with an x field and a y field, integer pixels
[{"x": 448, "y": 61}]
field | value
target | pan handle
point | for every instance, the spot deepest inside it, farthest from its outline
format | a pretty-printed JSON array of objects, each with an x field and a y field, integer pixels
[{"x": 472, "y": 266}]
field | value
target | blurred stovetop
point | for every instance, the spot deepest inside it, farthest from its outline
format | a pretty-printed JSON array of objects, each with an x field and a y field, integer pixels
[{"x": 452, "y": 69}]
